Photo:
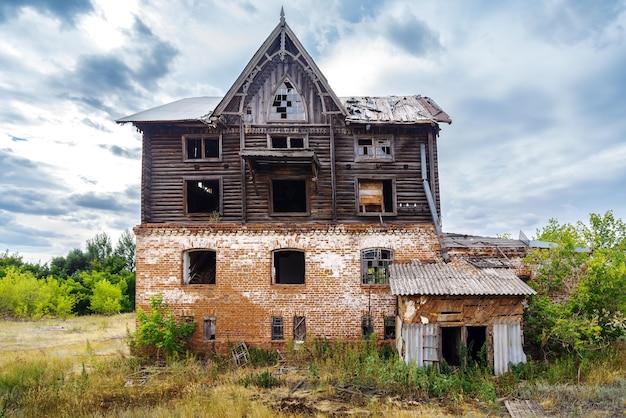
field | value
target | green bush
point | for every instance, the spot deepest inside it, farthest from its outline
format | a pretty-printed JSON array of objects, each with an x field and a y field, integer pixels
[{"x": 160, "y": 331}]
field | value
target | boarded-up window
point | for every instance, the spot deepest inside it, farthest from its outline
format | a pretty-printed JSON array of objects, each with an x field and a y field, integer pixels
[
  {"x": 288, "y": 267},
  {"x": 376, "y": 196},
  {"x": 209, "y": 328},
  {"x": 287, "y": 103},
  {"x": 299, "y": 328},
  {"x": 277, "y": 328},
  {"x": 203, "y": 195},
  {"x": 375, "y": 265},
  {"x": 199, "y": 267}
]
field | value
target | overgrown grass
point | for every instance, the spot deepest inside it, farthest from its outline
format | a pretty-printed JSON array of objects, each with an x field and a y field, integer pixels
[{"x": 321, "y": 378}]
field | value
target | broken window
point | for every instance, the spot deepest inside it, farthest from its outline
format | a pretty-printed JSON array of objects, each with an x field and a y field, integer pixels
[
  {"x": 287, "y": 142},
  {"x": 199, "y": 147},
  {"x": 287, "y": 103},
  {"x": 390, "y": 328},
  {"x": 373, "y": 149},
  {"x": 376, "y": 196},
  {"x": 289, "y": 196},
  {"x": 209, "y": 328},
  {"x": 375, "y": 265},
  {"x": 299, "y": 328},
  {"x": 367, "y": 326},
  {"x": 203, "y": 195},
  {"x": 288, "y": 267},
  {"x": 199, "y": 267},
  {"x": 277, "y": 328}
]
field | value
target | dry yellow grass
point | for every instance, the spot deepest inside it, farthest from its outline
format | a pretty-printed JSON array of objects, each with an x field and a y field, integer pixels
[{"x": 74, "y": 337}]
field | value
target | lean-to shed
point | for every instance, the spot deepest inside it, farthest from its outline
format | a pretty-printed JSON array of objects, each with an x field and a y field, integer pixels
[{"x": 443, "y": 308}]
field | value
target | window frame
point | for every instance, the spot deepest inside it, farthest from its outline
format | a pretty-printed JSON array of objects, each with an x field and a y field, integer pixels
[
  {"x": 220, "y": 197},
  {"x": 367, "y": 326},
  {"x": 304, "y": 137},
  {"x": 272, "y": 100},
  {"x": 375, "y": 156},
  {"x": 209, "y": 324},
  {"x": 275, "y": 273},
  {"x": 304, "y": 180},
  {"x": 202, "y": 138},
  {"x": 382, "y": 180},
  {"x": 278, "y": 328},
  {"x": 381, "y": 263},
  {"x": 389, "y": 327},
  {"x": 187, "y": 264},
  {"x": 299, "y": 328}
]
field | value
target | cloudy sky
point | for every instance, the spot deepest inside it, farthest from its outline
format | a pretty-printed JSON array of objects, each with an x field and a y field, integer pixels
[{"x": 536, "y": 90}]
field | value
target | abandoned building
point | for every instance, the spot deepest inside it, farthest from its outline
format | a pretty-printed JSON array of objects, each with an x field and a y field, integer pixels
[{"x": 274, "y": 213}]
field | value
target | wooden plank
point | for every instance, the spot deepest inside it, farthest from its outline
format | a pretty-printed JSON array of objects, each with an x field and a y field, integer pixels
[{"x": 524, "y": 408}]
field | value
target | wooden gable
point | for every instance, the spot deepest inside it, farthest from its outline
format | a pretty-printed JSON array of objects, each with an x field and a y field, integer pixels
[{"x": 281, "y": 83}]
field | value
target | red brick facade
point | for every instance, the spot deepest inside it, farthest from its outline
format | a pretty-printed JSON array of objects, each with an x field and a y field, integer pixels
[{"x": 244, "y": 299}]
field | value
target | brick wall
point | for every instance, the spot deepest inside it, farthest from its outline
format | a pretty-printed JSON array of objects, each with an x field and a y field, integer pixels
[{"x": 243, "y": 299}]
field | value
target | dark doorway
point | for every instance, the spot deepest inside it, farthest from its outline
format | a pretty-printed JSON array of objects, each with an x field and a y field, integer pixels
[
  {"x": 476, "y": 339},
  {"x": 451, "y": 345}
]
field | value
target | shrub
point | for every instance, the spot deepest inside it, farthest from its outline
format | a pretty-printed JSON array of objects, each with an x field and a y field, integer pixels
[{"x": 161, "y": 331}]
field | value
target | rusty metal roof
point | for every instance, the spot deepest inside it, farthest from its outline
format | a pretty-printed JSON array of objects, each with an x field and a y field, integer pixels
[
  {"x": 456, "y": 278},
  {"x": 191, "y": 109},
  {"x": 393, "y": 109},
  {"x": 474, "y": 241}
]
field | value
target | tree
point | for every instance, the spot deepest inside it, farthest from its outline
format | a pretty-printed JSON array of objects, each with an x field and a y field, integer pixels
[
  {"x": 580, "y": 284},
  {"x": 125, "y": 249},
  {"x": 107, "y": 297}
]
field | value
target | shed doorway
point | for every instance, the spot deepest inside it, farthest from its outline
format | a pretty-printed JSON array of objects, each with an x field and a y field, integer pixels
[
  {"x": 451, "y": 345},
  {"x": 476, "y": 339}
]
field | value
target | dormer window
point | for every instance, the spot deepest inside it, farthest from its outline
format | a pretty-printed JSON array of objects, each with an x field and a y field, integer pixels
[{"x": 287, "y": 104}]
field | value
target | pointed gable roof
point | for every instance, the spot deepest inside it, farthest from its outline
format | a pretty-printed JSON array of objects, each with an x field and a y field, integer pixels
[{"x": 282, "y": 42}]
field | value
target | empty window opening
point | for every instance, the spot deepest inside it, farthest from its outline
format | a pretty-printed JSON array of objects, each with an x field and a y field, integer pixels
[
  {"x": 203, "y": 196},
  {"x": 375, "y": 266},
  {"x": 209, "y": 328},
  {"x": 376, "y": 196},
  {"x": 374, "y": 149},
  {"x": 202, "y": 148},
  {"x": 289, "y": 267},
  {"x": 289, "y": 196},
  {"x": 390, "y": 328},
  {"x": 451, "y": 345},
  {"x": 476, "y": 340},
  {"x": 200, "y": 267},
  {"x": 287, "y": 103},
  {"x": 277, "y": 328},
  {"x": 287, "y": 142},
  {"x": 367, "y": 326},
  {"x": 299, "y": 328}
]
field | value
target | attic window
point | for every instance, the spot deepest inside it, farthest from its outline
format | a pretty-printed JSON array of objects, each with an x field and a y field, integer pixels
[{"x": 287, "y": 104}]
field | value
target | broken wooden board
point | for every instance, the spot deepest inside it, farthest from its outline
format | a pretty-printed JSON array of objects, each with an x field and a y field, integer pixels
[{"x": 524, "y": 409}]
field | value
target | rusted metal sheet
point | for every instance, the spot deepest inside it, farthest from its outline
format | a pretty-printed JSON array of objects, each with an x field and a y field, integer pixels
[
  {"x": 456, "y": 278},
  {"x": 393, "y": 109}
]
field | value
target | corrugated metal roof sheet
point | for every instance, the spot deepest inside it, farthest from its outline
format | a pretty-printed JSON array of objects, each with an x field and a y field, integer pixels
[
  {"x": 474, "y": 241},
  {"x": 393, "y": 109},
  {"x": 390, "y": 109},
  {"x": 194, "y": 108},
  {"x": 455, "y": 278}
]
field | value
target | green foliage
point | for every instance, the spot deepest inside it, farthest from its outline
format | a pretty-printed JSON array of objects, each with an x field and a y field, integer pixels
[
  {"x": 580, "y": 282},
  {"x": 264, "y": 380},
  {"x": 107, "y": 297},
  {"x": 161, "y": 331}
]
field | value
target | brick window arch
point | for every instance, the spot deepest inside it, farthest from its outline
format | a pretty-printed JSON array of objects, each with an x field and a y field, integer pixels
[
  {"x": 288, "y": 266},
  {"x": 375, "y": 265}
]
